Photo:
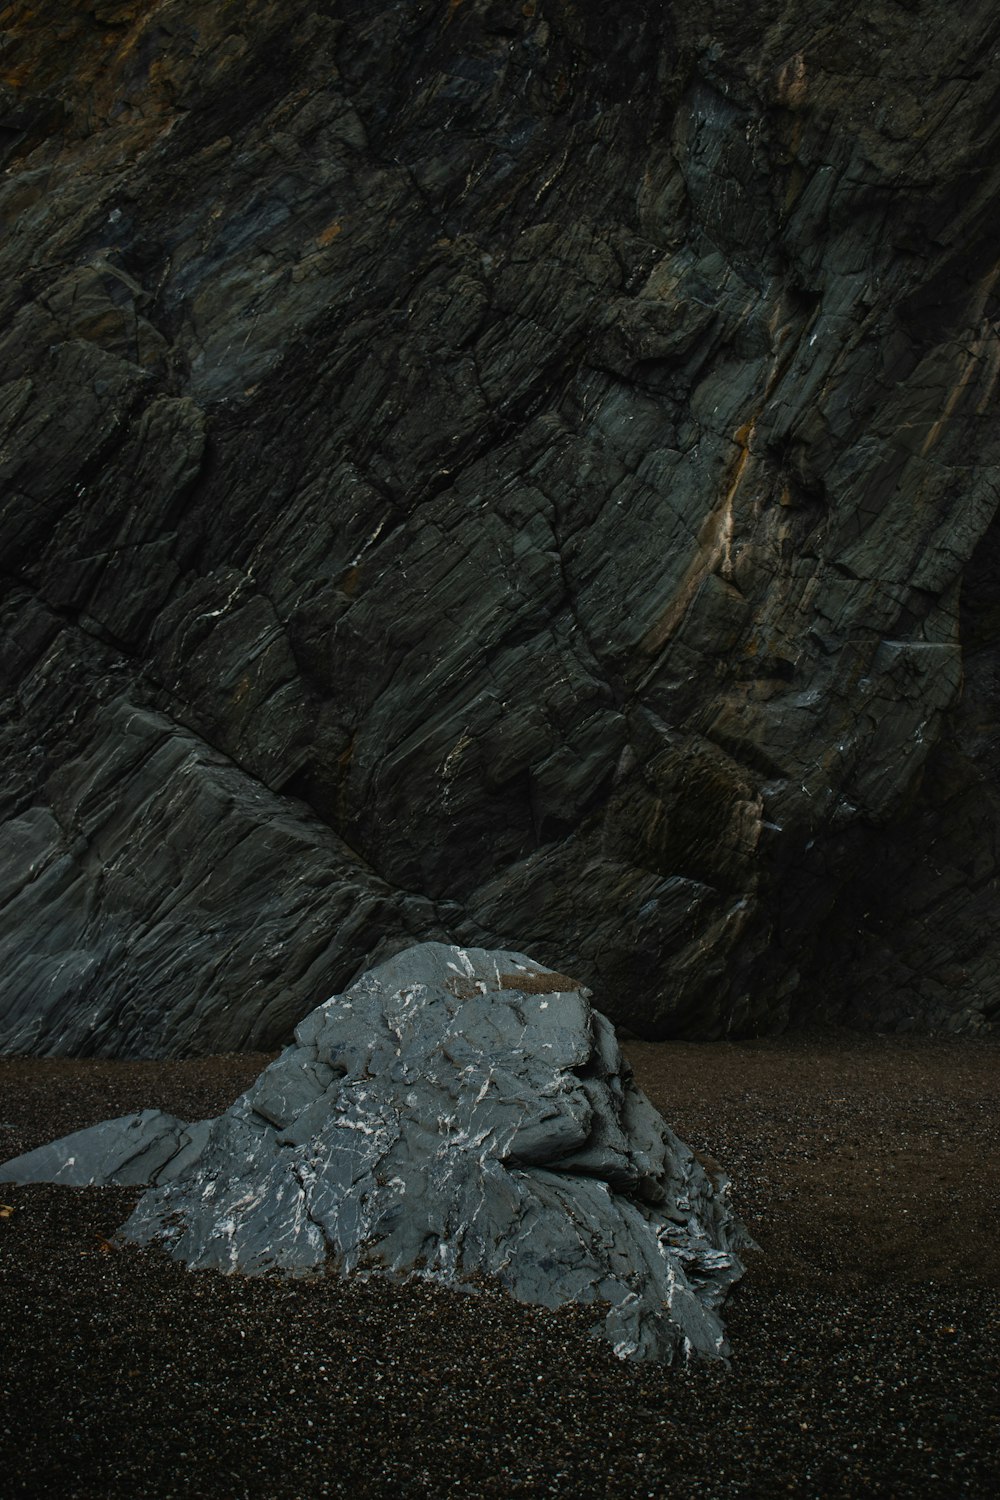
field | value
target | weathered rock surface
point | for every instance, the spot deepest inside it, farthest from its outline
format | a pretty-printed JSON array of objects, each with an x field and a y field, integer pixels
[
  {"x": 455, "y": 1113},
  {"x": 498, "y": 472},
  {"x": 128, "y": 1152}
]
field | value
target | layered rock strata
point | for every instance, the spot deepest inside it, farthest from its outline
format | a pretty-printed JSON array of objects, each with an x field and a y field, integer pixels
[{"x": 513, "y": 473}]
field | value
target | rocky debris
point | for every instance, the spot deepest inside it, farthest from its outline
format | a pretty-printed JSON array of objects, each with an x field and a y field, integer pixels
[
  {"x": 515, "y": 468},
  {"x": 456, "y": 1113}
]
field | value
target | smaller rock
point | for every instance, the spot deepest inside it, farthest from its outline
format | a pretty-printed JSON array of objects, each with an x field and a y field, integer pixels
[{"x": 132, "y": 1151}]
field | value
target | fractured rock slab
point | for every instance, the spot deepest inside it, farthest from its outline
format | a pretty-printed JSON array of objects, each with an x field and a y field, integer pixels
[
  {"x": 149, "y": 1146},
  {"x": 456, "y": 1112}
]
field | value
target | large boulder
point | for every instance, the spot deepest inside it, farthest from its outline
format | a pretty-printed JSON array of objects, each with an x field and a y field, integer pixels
[{"x": 455, "y": 1113}]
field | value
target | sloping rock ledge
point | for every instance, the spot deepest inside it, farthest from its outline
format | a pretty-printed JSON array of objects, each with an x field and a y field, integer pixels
[{"x": 455, "y": 1113}]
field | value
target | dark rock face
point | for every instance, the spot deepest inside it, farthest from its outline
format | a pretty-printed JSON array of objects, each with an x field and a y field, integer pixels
[
  {"x": 504, "y": 473},
  {"x": 456, "y": 1112}
]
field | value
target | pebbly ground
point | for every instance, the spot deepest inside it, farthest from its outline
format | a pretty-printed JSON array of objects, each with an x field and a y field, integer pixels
[{"x": 866, "y": 1336}]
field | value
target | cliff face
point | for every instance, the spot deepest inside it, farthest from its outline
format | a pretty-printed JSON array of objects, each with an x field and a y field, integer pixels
[{"x": 519, "y": 474}]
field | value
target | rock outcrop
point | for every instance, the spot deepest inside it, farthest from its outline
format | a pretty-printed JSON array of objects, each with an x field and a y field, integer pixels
[
  {"x": 455, "y": 1113},
  {"x": 514, "y": 473}
]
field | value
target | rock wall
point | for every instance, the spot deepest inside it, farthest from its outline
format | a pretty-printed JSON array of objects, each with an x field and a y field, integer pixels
[{"x": 517, "y": 474}]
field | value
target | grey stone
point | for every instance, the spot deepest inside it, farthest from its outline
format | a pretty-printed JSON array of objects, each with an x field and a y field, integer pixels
[
  {"x": 131, "y": 1151},
  {"x": 455, "y": 1113}
]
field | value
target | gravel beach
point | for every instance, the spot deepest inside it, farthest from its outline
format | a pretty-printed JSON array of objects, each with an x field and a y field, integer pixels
[{"x": 865, "y": 1336}]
